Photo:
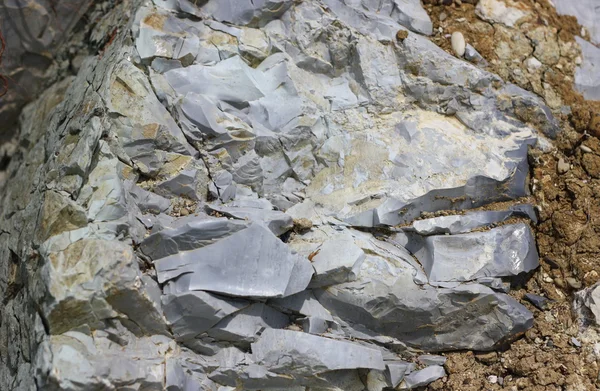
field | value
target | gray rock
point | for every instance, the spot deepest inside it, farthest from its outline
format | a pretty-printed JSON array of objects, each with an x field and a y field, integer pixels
[
  {"x": 539, "y": 302},
  {"x": 430, "y": 359},
  {"x": 188, "y": 233},
  {"x": 396, "y": 370},
  {"x": 471, "y": 54},
  {"x": 423, "y": 377},
  {"x": 425, "y": 317},
  {"x": 335, "y": 261},
  {"x": 251, "y": 262},
  {"x": 147, "y": 201},
  {"x": 587, "y": 79},
  {"x": 247, "y": 324},
  {"x": 192, "y": 313},
  {"x": 499, "y": 252},
  {"x": 163, "y": 35},
  {"x": 297, "y": 353},
  {"x": 314, "y": 325},
  {"x": 303, "y": 303},
  {"x": 278, "y": 222},
  {"x": 588, "y": 303},
  {"x": 246, "y": 12}
]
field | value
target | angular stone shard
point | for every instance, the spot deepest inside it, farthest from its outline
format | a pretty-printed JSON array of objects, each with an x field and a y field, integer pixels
[
  {"x": 144, "y": 124},
  {"x": 587, "y": 75},
  {"x": 296, "y": 353},
  {"x": 499, "y": 252},
  {"x": 467, "y": 316},
  {"x": 396, "y": 370},
  {"x": 147, "y": 201},
  {"x": 246, "y": 12},
  {"x": 192, "y": 313},
  {"x": 247, "y": 324},
  {"x": 303, "y": 303},
  {"x": 278, "y": 222},
  {"x": 252, "y": 262},
  {"x": 187, "y": 234},
  {"x": 335, "y": 261},
  {"x": 85, "y": 277},
  {"x": 163, "y": 35},
  {"x": 431, "y": 359},
  {"x": 76, "y": 361},
  {"x": 423, "y": 377},
  {"x": 313, "y": 325}
]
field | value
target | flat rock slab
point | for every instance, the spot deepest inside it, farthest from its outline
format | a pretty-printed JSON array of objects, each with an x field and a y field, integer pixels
[
  {"x": 252, "y": 262},
  {"x": 298, "y": 353},
  {"x": 499, "y": 252}
]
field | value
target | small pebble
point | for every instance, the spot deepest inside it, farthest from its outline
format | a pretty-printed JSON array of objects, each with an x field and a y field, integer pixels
[
  {"x": 401, "y": 35},
  {"x": 575, "y": 342},
  {"x": 501, "y": 381},
  {"x": 539, "y": 302},
  {"x": 493, "y": 379},
  {"x": 562, "y": 167},
  {"x": 184, "y": 212},
  {"x": 443, "y": 16},
  {"x": 585, "y": 148},
  {"x": 458, "y": 43},
  {"x": 573, "y": 283}
]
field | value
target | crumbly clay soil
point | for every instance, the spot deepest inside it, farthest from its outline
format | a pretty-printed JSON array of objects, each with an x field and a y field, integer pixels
[{"x": 566, "y": 188}]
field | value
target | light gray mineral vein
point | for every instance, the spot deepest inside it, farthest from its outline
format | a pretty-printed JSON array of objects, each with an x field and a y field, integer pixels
[{"x": 151, "y": 234}]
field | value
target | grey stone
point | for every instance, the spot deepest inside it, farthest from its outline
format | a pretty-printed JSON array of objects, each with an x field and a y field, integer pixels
[
  {"x": 251, "y": 262},
  {"x": 540, "y": 302},
  {"x": 247, "y": 324},
  {"x": 278, "y": 222},
  {"x": 180, "y": 5},
  {"x": 314, "y": 325},
  {"x": 587, "y": 79},
  {"x": 148, "y": 202},
  {"x": 423, "y": 377},
  {"x": 396, "y": 370},
  {"x": 408, "y": 309},
  {"x": 188, "y": 233},
  {"x": 337, "y": 260},
  {"x": 303, "y": 303},
  {"x": 588, "y": 304},
  {"x": 192, "y": 313},
  {"x": 297, "y": 353},
  {"x": 246, "y": 12},
  {"x": 471, "y": 54},
  {"x": 430, "y": 359},
  {"x": 499, "y": 252},
  {"x": 163, "y": 35}
]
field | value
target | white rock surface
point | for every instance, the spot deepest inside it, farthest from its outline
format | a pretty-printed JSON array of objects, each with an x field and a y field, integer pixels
[{"x": 497, "y": 11}]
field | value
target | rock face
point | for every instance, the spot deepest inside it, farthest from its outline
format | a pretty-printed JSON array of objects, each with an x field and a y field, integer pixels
[{"x": 147, "y": 236}]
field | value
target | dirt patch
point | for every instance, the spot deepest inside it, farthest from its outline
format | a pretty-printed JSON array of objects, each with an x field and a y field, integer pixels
[{"x": 540, "y": 54}]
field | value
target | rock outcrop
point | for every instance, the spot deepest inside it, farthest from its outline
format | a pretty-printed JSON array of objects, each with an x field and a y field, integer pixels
[{"x": 147, "y": 233}]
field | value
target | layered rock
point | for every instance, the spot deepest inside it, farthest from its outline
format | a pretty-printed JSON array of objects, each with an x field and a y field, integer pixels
[{"x": 150, "y": 239}]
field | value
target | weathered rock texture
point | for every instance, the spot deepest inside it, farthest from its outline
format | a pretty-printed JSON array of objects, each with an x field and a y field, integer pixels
[{"x": 146, "y": 235}]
